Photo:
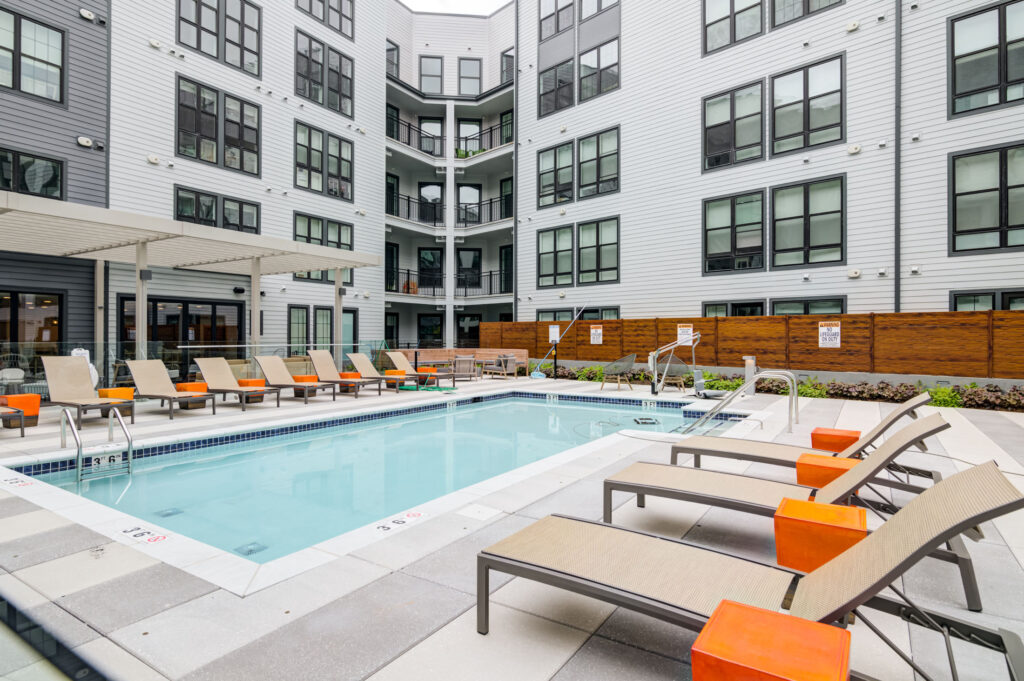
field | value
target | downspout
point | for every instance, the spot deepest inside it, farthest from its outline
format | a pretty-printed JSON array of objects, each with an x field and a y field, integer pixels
[
  {"x": 515, "y": 171},
  {"x": 898, "y": 184}
]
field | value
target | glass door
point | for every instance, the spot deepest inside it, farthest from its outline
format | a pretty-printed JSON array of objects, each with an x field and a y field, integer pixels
[
  {"x": 432, "y": 136},
  {"x": 431, "y": 271},
  {"x": 506, "y": 266},
  {"x": 469, "y": 137},
  {"x": 391, "y": 193},
  {"x": 467, "y": 326},
  {"x": 469, "y": 270},
  {"x": 391, "y": 266},
  {"x": 431, "y": 202},
  {"x": 507, "y": 127},
  {"x": 469, "y": 204},
  {"x": 506, "y": 198},
  {"x": 392, "y": 125},
  {"x": 430, "y": 330},
  {"x": 391, "y": 320}
]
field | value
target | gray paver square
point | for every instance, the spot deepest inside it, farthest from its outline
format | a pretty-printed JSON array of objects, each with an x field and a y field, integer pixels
[
  {"x": 347, "y": 639},
  {"x": 122, "y": 601},
  {"x": 653, "y": 635},
  {"x": 741, "y": 534},
  {"x": 15, "y": 506},
  {"x": 1001, "y": 430},
  {"x": 50, "y": 545},
  {"x": 62, "y": 625},
  {"x": 583, "y": 499},
  {"x": 973, "y": 662},
  {"x": 603, "y": 660}
]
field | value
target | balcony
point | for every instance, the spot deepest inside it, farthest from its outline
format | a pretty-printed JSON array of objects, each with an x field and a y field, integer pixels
[
  {"x": 493, "y": 210},
  {"x": 474, "y": 284},
  {"x": 413, "y": 137},
  {"x": 491, "y": 138},
  {"x": 408, "y": 208},
  {"x": 425, "y": 283}
]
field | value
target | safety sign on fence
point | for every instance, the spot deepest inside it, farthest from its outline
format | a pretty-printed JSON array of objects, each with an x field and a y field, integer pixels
[
  {"x": 684, "y": 334},
  {"x": 596, "y": 334},
  {"x": 829, "y": 334}
]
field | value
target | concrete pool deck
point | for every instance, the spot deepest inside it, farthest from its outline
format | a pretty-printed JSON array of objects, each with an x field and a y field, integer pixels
[{"x": 404, "y": 607}]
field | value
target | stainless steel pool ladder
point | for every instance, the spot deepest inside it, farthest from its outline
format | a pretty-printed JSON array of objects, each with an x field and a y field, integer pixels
[
  {"x": 68, "y": 421},
  {"x": 794, "y": 404}
]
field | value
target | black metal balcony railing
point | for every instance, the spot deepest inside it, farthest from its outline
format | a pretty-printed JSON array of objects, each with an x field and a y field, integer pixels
[
  {"x": 491, "y": 138},
  {"x": 415, "y": 282},
  {"x": 402, "y": 206},
  {"x": 411, "y": 136},
  {"x": 470, "y": 284},
  {"x": 481, "y": 213}
]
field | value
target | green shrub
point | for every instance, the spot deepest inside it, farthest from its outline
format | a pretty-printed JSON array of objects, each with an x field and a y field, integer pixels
[
  {"x": 590, "y": 374},
  {"x": 946, "y": 397},
  {"x": 812, "y": 388}
]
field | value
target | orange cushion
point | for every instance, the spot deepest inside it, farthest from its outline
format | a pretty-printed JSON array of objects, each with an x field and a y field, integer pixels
[
  {"x": 817, "y": 470},
  {"x": 305, "y": 379},
  {"x": 252, "y": 382},
  {"x": 394, "y": 372},
  {"x": 744, "y": 643},
  {"x": 833, "y": 439},
  {"x": 117, "y": 393},
  {"x": 27, "y": 403},
  {"x": 350, "y": 374},
  {"x": 195, "y": 387},
  {"x": 427, "y": 370},
  {"x": 809, "y": 534}
]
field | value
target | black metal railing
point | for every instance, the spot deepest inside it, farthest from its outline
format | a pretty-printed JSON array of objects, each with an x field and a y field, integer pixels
[
  {"x": 492, "y": 210},
  {"x": 494, "y": 283},
  {"x": 415, "y": 282},
  {"x": 402, "y": 206},
  {"x": 409, "y": 135},
  {"x": 491, "y": 138}
]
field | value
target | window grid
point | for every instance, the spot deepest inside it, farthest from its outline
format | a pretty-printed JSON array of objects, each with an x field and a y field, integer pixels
[
  {"x": 589, "y": 8},
  {"x": 198, "y": 121},
  {"x": 320, "y": 231},
  {"x": 554, "y": 257},
  {"x": 988, "y": 199},
  {"x": 555, "y": 175},
  {"x": 241, "y": 135},
  {"x": 198, "y": 26},
  {"x": 309, "y": 162},
  {"x": 599, "y": 70},
  {"x": 983, "y": 301},
  {"x": 309, "y": 68},
  {"x": 23, "y": 173},
  {"x": 734, "y": 233},
  {"x": 733, "y": 127},
  {"x": 200, "y": 207},
  {"x": 820, "y": 306},
  {"x": 588, "y": 314},
  {"x": 298, "y": 329},
  {"x": 226, "y": 30},
  {"x": 470, "y": 76},
  {"x": 791, "y": 10},
  {"x": 31, "y": 57},
  {"x": 987, "y": 58},
  {"x": 340, "y": 72},
  {"x": 197, "y": 207},
  {"x": 597, "y": 253},
  {"x": 556, "y": 86},
  {"x": 740, "y": 308},
  {"x": 242, "y": 36},
  {"x": 431, "y": 75},
  {"x": 727, "y": 22},
  {"x": 808, "y": 223},
  {"x": 807, "y": 106},
  {"x": 392, "y": 55},
  {"x": 555, "y": 17},
  {"x": 599, "y": 163},
  {"x": 508, "y": 65}
]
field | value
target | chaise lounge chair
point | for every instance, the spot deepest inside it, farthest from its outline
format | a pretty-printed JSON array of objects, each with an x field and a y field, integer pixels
[
  {"x": 683, "y": 584},
  {"x": 70, "y": 385},
  {"x": 618, "y": 370},
  {"x": 278, "y": 376},
  {"x": 327, "y": 372},
  {"x": 153, "y": 382},
  {"x": 401, "y": 362},
  {"x": 220, "y": 380},
  {"x": 365, "y": 368}
]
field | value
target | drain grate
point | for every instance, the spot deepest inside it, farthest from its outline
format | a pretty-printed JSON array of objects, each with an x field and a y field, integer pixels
[
  {"x": 646, "y": 421},
  {"x": 251, "y": 548},
  {"x": 168, "y": 512}
]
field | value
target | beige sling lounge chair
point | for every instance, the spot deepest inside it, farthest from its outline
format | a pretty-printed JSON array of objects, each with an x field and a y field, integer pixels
[
  {"x": 682, "y": 584},
  {"x": 401, "y": 362},
  {"x": 327, "y": 372},
  {"x": 278, "y": 376},
  {"x": 220, "y": 380},
  {"x": 365, "y": 367},
  {"x": 153, "y": 382},
  {"x": 70, "y": 385}
]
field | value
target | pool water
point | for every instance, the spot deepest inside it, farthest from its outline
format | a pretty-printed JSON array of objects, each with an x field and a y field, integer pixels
[{"x": 264, "y": 499}]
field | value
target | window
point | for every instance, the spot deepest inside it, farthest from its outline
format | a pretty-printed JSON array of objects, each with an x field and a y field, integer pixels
[
  {"x": 733, "y": 127},
  {"x": 988, "y": 199},
  {"x": 749, "y": 308},
  {"x": 469, "y": 76},
  {"x": 33, "y": 319},
  {"x": 599, "y": 163},
  {"x": 227, "y": 30},
  {"x": 203, "y": 131},
  {"x": 29, "y": 174},
  {"x": 556, "y": 88},
  {"x": 508, "y": 65},
  {"x": 598, "y": 252},
  {"x": 982, "y": 301},
  {"x": 337, "y": 14},
  {"x": 391, "y": 54},
  {"x": 298, "y": 329},
  {"x": 240, "y": 216},
  {"x": 788, "y": 10},
  {"x": 730, "y": 21},
  {"x": 599, "y": 70},
  {"x": 816, "y": 307},
  {"x": 195, "y": 207},
  {"x": 734, "y": 233},
  {"x": 589, "y": 313},
  {"x": 468, "y": 267},
  {"x": 807, "y": 107},
  {"x": 431, "y": 79},
  {"x": 807, "y": 223},
  {"x": 201, "y": 208},
  {"x": 309, "y": 74},
  {"x": 555, "y": 17},
  {"x": 31, "y": 57},
  {"x": 554, "y": 257},
  {"x": 589, "y": 8},
  {"x": 988, "y": 58},
  {"x": 310, "y": 167},
  {"x": 323, "y": 232},
  {"x": 554, "y": 175},
  {"x": 323, "y": 327}
]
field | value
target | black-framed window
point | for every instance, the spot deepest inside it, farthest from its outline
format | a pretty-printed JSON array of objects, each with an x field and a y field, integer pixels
[
  {"x": 982, "y": 301},
  {"x": 599, "y": 163},
  {"x": 35, "y": 318},
  {"x": 468, "y": 267},
  {"x": 241, "y": 135},
  {"x": 555, "y": 91},
  {"x": 318, "y": 155},
  {"x": 508, "y": 65},
  {"x": 599, "y": 70},
  {"x": 320, "y": 231},
  {"x": 470, "y": 76},
  {"x": 987, "y": 58},
  {"x": 218, "y": 128},
  {"x": 554, "y": 175},
  {"x": 204, "y": 208},
  {"x": 323, "y": 327},
  {"x": 554, "y": 257},
  {"x": 597, "y": 252},
  {"x": 298, "y": 329},
  {"x": 734, "y": 127},
  {"x": 338, "y": 14},
  {"x": 194, "y": 206},
  {"x": 730, "y": 21},
  {"x": 739, "y": 308},
  {"x": 588, "y": 314},
  {"x": 392, "y": 56},
  {"x": 589, "y": 8},
  {"x": 815, "y": 306},
  {"x": 321, "y": 69},
  {"x": 988, "y": 199},
  {"x": 808, "y": 223},
  {"x": 790, "y": 10},
  {"x": 24, "y": 173},
  {"x": 555, "y": 17},
  {"x": 431, "y": 75},
  {"x": 807, "y": 106},
  {"x": 734, "y": 233},
  {"x": 31, "y": 57},
  {"x": 227, "y": 30}
]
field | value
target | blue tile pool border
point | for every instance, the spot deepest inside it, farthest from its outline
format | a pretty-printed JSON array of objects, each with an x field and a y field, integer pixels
[{"x": 219, "y": 440}]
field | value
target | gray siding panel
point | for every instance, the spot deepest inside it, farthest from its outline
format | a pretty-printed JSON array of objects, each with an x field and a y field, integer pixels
[
  {"x": 70, "y": 277},
  {"x": 600, "y": 28},
  {"x": 556, "y": 50}
]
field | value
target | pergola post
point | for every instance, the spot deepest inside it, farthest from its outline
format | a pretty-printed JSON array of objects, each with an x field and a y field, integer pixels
[
  {"x": 254, "y": 303},
  {"x": 142, "y": 276},
  {"x": 339, "y": 316}
]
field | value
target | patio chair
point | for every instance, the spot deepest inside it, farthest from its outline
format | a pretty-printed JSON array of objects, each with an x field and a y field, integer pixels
[
  {"x": 11, "y": 377},
  {"x": 221, "y": 380},
  {"x": 401, "y": 362},
  {"x": 70, "y": 385},
  {"x": 619, "y": 370},
  {"x": 152, "y": 381},
  {"x": 278, "y": 376},
  {"x": 327, "y": 372},
  {"x": 464, "y": 366},
  {"x": 675, "y": 372},
  {"x": 682, "y": 583},
  {"x": 6, "y": 413},
  {"x": 365, "y": 367},
  {"x": 502, "y": 365}
]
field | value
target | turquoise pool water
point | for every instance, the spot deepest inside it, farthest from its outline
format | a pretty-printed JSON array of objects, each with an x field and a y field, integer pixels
[{"x": 267, "y": 498}]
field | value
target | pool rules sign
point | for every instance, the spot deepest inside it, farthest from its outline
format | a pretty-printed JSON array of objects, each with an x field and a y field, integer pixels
[
  {"x": 596, "y": 334},
  {"x": 830, "y": 334}
]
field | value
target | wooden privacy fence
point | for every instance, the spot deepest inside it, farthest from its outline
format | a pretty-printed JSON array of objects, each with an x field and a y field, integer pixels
[{"x": 973, "y": 344}]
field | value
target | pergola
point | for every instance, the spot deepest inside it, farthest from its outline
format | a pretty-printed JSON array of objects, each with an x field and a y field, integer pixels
[{"x": 40, "y": 226}]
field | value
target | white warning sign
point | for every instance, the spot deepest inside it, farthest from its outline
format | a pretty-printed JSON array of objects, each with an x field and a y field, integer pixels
[{"x": 830, "y": 334}]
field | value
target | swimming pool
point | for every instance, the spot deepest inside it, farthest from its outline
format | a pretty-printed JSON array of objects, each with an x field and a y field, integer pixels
[{"x": 266, "y": 498}]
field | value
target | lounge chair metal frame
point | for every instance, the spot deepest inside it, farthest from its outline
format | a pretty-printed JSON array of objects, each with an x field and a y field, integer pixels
[
  {"x": 7, "y": 412},
  {"x": 240, "y": 391},
  {"x": 398, "y": 358},
  {"x": 84, "y": 404},
  {"x": 356, "y": 383},
  {"x": 358, "y": 358},
  {"x": 295, "y": 385},
  {"x": 171, "y": 400}
]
